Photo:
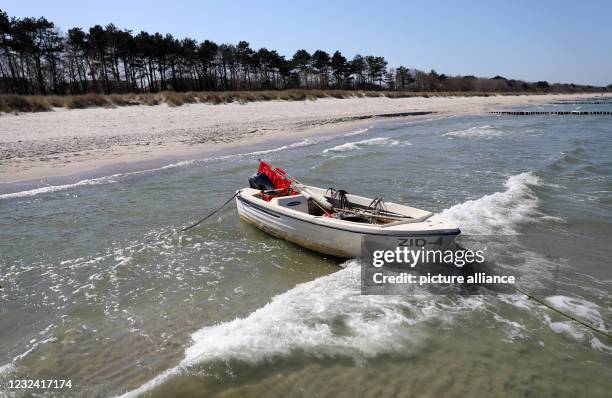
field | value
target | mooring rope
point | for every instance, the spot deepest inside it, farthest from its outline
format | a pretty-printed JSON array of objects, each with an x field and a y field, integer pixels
[
  {"x": 565, "y": 314},
  {"x": 211, "y": 214}
]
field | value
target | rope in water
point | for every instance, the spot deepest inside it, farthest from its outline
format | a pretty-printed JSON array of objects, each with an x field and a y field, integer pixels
[
  {"x": 211, "y": 214},
  {"x": 568, "y": 316}
]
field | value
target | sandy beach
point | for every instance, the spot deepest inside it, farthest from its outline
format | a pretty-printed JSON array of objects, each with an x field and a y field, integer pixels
[{"x": 66, "y": 142}]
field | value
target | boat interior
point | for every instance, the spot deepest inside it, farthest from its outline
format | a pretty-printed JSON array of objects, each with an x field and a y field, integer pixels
[{"x": 346, "y": 207}]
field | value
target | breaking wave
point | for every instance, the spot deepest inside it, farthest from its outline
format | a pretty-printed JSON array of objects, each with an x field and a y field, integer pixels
[
  {"x": 325, "y": 317},
  {"x": 486, "y": 131},
  {"x": 350, "y": 146},
  {"x": 56, "y": 188},
  {"x": 305, "y": 142},
  {"x": 499, "y": 212}
]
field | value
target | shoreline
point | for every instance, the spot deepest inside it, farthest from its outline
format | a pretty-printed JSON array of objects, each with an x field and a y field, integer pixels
[
  {"x": 39, "y": 149},
  {"x": 102, "y": 169}
]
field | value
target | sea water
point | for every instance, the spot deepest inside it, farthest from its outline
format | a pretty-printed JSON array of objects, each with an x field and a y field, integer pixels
[{"x": 100, "y": 286}]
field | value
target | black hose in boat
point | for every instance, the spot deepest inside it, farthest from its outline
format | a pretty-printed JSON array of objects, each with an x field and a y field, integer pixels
[
  {"x": 340, "y": 196},
  {"x": 377, "y": 204}
]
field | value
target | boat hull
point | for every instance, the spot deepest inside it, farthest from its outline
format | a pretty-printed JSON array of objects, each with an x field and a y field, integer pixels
[{"x": 334, "y": 241}]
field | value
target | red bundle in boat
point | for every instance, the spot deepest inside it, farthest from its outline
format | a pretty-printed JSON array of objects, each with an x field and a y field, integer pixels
[
  {"x": 276, "y": 175},
  {"x": 282, "y": 184}
]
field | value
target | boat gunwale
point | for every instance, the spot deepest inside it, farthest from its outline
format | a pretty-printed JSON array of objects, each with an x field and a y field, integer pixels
[{"x": 277, "y": 214}]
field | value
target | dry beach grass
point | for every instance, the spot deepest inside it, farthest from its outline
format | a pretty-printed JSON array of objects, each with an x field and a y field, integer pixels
[{"x": 40, "y": 103}]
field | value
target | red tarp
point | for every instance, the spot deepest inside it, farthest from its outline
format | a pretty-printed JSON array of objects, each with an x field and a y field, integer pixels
[{"x": 276, "y": 175}]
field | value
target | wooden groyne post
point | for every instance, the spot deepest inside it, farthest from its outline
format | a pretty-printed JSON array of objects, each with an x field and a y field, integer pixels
[{"x": 529, "y": 113}]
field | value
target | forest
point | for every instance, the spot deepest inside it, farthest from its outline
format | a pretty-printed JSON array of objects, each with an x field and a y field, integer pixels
[{"x": 36, "y": 57}]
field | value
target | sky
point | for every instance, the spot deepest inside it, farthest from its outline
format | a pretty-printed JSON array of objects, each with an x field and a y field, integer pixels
[{"x": 557, "y": 41}]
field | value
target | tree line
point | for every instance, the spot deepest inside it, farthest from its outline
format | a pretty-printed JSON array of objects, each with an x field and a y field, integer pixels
[{"x": 37, "y": 58}]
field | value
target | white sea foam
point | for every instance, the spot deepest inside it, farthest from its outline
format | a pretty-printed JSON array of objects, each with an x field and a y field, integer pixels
[
  {"x": 55, "y": 188},
  {"x": 599, "y": 346},
  {"x": 305, "y": 142},
  {"x": 513, "y": 330},
  {"x": 584, "y": 309},
  {"x": 325, "y": 317},
  {"x": 350, "y": 146},
  {"x": 304, "y": 318},
  {"x": 299, "y": 144},
  {"x": 486, "y": 131},
  {"x": 33, "y": 344},
  {"x": 500, "y": 212},
  {"x": 6, "y": 369},
  {"x": 357, "y": 132},
  {"x": 9, "y": 368}
]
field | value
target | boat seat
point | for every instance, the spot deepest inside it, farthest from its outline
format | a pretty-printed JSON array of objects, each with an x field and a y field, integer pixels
[{"x": 294, "y": 202}]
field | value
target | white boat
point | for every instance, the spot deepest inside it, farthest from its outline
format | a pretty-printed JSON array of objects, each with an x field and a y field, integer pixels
[{"x": 296, "y": 215}]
